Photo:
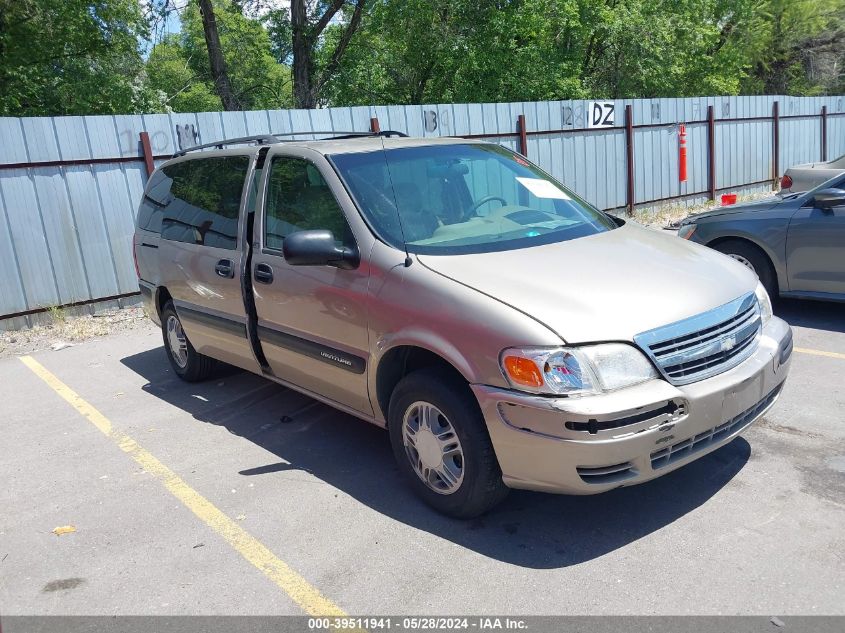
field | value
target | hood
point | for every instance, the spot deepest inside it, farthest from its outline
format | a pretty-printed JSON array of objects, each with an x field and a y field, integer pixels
[
  {"x": 606, "y": 287},
  {"x": 761, "y": 204}
]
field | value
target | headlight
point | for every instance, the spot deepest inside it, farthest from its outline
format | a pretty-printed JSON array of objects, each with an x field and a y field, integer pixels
[
  {"x": 764, "y": 301},
  {"x": 686, "y": 230},
  {"x": 575, "y": 371}
]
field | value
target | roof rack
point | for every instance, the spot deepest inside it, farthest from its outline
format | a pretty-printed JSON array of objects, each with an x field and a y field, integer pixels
[
  {"x": 271, "y": 139},
  {"x": 260, "y": 139},
  {"x": 348, "y": 135},
  {"x": 337, "y": 135}
]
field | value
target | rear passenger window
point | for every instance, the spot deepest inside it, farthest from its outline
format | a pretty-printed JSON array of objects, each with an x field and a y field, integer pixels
[
  {"x": 204, "y": 201},
  {"x": 153, "y": 203},
  {"x": 299, "y": 199}
]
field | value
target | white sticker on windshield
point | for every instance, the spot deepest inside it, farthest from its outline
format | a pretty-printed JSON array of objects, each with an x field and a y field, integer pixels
[{"x": 543, "y": 188}]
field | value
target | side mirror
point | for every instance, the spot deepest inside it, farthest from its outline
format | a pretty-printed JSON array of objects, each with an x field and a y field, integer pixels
[
  {"x": 828, "y": 198},
  {"x": 318, "y": 248}
]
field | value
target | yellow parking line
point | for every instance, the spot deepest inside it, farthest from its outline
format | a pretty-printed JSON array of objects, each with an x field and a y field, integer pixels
[
  {"x": 818, "y": 352},
  {"x": 295, "y": 586}
]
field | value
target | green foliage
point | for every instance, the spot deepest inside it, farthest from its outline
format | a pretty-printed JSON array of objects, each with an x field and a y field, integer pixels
[
  {"x": 70, "y": 57},
  {"x": 798, "y": 47},
  {"x": 179, "y": 76},
  {"x": 87, "y": 56},
  {"x": 173, "y": 83},
  {"x": 514, "y": 50}
]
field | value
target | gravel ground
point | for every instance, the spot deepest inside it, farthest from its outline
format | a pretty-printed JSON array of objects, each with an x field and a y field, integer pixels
[{"x": 67, "y": 331}]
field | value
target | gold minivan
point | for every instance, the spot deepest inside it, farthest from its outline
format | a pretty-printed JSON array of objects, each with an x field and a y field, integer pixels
[{"x": 504, "y": 331}]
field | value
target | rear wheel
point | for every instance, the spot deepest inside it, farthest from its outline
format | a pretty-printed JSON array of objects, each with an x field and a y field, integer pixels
[
  {"x": 188, "y": 364},
  {"x": 752, "y": 257},
  {"x": 441, "y": 444}
]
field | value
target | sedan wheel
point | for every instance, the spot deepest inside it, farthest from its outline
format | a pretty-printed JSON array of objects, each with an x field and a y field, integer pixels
[
  {"x": 742, "y": 260},
  {"x": 753, "y": 258}
]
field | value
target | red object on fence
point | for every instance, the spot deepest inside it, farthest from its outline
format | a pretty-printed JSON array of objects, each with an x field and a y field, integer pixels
[
  {"x": 682, "y": 153},
  {"x": 374, "y": 125},
  {"x": 728, "y": 199}
]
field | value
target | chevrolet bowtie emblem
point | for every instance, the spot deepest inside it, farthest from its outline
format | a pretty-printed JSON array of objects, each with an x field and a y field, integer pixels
[{"x": 728, "y": 343}]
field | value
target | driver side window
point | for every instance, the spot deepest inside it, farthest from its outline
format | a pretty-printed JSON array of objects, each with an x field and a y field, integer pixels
[{"x": 299, "y": 199}]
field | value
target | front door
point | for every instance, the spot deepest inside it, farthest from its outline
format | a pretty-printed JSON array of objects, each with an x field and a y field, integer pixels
[
  {"x": 815, "y": 249},
  {"x": 200, "y": 254},
  {"x": 312, "y": 320}
]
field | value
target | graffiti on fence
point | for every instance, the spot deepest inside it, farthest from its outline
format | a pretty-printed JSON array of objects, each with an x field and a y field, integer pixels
[{"x": 187, "y": 135}]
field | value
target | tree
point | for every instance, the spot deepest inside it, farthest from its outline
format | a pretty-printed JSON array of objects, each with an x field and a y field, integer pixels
[
  {"x": 439, "y": 51},
  {"x": 173, "y": 83},
  {"x": 663, "y": 48},
  {"x": 798, "y": 48},
  {"x": 307, "y": 43},
  {"x": 215, "y": 57},
  {"x": 70, "y": 57},
  {"x": 179, "y": 72},
  {"x": 466, "y": 50}
]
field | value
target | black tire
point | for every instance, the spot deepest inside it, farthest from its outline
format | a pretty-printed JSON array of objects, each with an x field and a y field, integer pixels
[
  {"x": 481, "y": 487},
  {"x": 197, "y": 367},
  {"x": 758, "y": 260}
]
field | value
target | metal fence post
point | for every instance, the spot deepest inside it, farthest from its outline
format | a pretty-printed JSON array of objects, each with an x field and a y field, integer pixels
[
  {"x": 775, "y": 143},
  {"x": 374, "y": 125},
  {"x": 629, "y": 157},
  {"x": 523, "y": 135},
  {"x": 824, "y": 133},
  {"x": 147, "y": 150},
  {"x": 711, "y": 153}
]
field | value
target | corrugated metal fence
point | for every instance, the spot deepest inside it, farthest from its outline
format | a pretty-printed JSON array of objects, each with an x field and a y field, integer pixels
[{"x": 70, "y": 186}]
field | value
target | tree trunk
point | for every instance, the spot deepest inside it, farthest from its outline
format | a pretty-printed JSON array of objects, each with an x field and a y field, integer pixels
[
  {"x": 303, "y": 90},
  {"x": 307, "y": 82},
  {"x": 222, "y": 84}
]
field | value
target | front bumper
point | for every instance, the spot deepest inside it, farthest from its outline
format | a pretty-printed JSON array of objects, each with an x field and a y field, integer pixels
[{"x": 596, "y": 443}]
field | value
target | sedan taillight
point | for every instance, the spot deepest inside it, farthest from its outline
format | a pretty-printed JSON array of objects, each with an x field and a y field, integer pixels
[{"x": 785, "y": 182}]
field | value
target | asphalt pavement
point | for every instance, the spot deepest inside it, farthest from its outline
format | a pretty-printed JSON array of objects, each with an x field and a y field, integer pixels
[{"x": 238, "y": 496}]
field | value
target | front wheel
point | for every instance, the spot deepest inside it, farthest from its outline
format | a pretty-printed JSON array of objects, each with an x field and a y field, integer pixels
[
  {"x": 754, "y": 258},
  {"x": 441, "y": 444},
  {"x": 189, "y": 365}
]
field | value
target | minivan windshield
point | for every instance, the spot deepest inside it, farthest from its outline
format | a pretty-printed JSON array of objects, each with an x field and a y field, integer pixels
[{"x": 463, "y": 198}]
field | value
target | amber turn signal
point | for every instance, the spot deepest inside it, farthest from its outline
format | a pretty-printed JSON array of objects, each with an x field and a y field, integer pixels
[{"x": 523, "y": 371}]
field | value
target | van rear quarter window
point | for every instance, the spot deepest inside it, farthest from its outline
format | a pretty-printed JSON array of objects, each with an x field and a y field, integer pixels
[
  {"x": 203, "y": 201},
  {"x": 153, "y": 203}
]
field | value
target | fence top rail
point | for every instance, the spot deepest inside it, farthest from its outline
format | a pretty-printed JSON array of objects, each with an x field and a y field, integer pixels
[{"x": 70, "y": 149}]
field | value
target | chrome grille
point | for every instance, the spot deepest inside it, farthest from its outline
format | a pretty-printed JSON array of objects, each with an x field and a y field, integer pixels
[{"x": 706, "y": 344}]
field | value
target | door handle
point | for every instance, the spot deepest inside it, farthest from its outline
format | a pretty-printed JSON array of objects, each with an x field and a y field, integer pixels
[
  {"x": 263, "y": 274},
  {"x": 225, "y": 268}
]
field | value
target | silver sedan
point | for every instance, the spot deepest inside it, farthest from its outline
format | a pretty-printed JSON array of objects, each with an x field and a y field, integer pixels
[{"x": 808, "y": 176}]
